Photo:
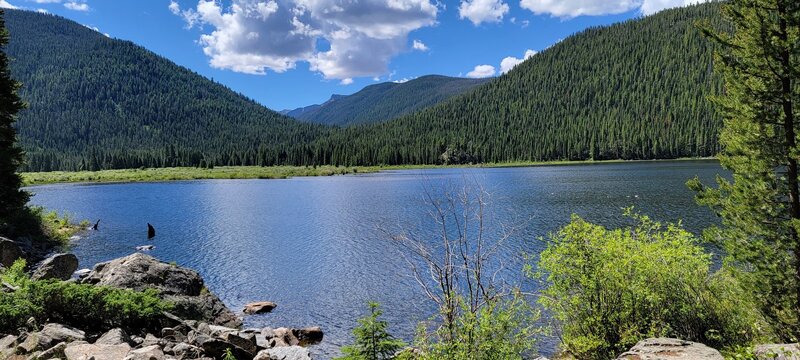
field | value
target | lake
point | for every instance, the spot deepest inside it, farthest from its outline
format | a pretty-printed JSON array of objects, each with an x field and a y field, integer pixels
[{"x": 320, "y": 247}]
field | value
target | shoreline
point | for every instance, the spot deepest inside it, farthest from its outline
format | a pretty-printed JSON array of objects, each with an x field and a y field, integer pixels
[{"x": 275, "y": 172}]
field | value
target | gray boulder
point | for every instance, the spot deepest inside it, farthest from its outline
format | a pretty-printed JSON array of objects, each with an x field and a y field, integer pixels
[
  {"x": 184, "y": 351},
  {"x": 291, "y": 337},
  {"x": 670, "y": 349},
  {"x": 55, "y": 352},
  {"x": 49, "y": 336},
  {"x": 82, "y": 351},
  {"x": 58, "y": 266},
  {"x": 284, "y": 353},
  {"x": 152, "y": 352},
  {"x": 259, "y": 307},
  {"x": 114, "y": 337},
  {"x": 9, "y": 252},
  {"x": 182, "y": 286},
  {"x": 777, "y": 352}
]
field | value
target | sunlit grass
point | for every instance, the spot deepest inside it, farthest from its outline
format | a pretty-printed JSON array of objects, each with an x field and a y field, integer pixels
[{"x": 252, "y": 172}]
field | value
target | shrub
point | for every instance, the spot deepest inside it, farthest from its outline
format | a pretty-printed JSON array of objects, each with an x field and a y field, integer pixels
[
  {"x": 502, "y": 329},
  {"x": 372, "y": 340},
  {"x": 88, "y": 307},
  {"x": 612, "y": 288}
]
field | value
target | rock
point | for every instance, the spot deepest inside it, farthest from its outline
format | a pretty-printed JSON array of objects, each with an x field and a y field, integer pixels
[
  {"x": 216, "y": 348},
  {"x": 54, "y": 352},
  {"x": 8, "y": 346},
  {"x": 185, "y": 351},
  {"x": 282, "y": 337},
  {"x": 82, "y": 273},
  {"x": 669, "y": 349},
  {"x": 9, "y": 252},
  {"x": 291, "y": 337},
  {"x": 50, "y": 335},
  {"x": 777, "y": 352},
  {"x": 84, "y": 351},
  {"x": 145, "y": 247},
  {"x": 259, "y": 307},
  {"x": 29, "y": 344},
  {"x": 245, "y": 341},
  {"x": 58, "y": 266},
  {"x": 220, "y": 331},
  {"x": 284, "y": 353},
  {"x": 8, "y": 341},
  {"x": 150, "y": 340},
  {"x": 58, "y": 333},
  {"x": 172, "y": 334},
  {"x": 182, "y": 286},
  {"x": 114, "y": 337},
  {"x": 309, "y": 335},
  {"x": 152, "y": 352}
]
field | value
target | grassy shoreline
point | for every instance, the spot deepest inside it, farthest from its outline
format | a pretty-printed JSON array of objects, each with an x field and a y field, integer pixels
[{"x": 272, "y": 172}]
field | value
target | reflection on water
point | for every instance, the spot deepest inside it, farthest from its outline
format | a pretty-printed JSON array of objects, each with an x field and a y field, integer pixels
[{"x": 315, "y": 245}]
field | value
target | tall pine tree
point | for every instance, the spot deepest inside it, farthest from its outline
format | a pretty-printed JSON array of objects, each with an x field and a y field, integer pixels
[
  {"x": 12, "y": 199},
  {"x": 760, "y": 208}
]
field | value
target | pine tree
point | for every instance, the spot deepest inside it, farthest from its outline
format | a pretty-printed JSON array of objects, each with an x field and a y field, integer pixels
[
  {"x": 12, "y": 199},
  {"x": 760, "y": 208},
  {"x": 373, "y": 342}
]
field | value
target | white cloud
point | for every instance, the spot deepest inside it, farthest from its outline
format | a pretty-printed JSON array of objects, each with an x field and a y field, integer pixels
[
  {"x": 482, "y": 71},
  {"x": 77, "y": 6},
  {"x": 419, "y": 45},
  {"x": 6, "y": 5},
  {"x": 43, "y": 11},
  {"x": 254, "y": 36},
  {"x": 479, "y": 11},
  {"x": 573, "y": 8},
  {"x": 653, "y": 6},
  {"x": 346, "y": 81},
  {"x": 510, "y": 62}
]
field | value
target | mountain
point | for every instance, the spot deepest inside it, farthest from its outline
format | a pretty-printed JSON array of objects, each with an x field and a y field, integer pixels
[
  {"x": 633, "y": 90},
  {"x": 96, "y": 102},
  {"x": 385, "y": 101}
]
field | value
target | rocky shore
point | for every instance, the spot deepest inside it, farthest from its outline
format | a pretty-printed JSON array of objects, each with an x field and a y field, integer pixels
[{"x": 199, "y": 326}]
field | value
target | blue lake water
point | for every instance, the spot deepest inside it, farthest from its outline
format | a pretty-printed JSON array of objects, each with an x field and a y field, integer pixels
[{"x": 319, "y": 247}]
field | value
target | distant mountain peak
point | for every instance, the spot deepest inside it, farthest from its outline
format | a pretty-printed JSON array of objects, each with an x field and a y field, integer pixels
[{"x": 384, "y": 101}]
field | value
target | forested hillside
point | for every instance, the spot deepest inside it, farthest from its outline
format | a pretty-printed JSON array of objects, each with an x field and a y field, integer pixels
[
  {"x": 385, "y": 101},
  {"x": 634, "y": 90},
  {"x": 96, "y": 102}
]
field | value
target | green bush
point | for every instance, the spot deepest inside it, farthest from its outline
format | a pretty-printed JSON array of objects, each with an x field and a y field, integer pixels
[
  {"x": 372, "y": 339},
  {"x": 502, "y": 329},
  {"x": 612, "y": 288},
  {"x": 88, "y": 307}
]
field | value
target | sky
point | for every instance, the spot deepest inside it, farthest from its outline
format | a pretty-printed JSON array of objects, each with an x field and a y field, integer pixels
[{"x": 291, "y": 53}]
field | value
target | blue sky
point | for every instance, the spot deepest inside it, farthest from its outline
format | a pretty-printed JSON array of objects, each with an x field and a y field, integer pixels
[{"x": 291, "y": 53}]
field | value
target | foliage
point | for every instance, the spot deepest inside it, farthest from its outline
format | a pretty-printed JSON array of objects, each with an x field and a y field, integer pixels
[
  {"x": 386, "y": 101},
  {"x": 500, "y": 330},
  {"x": 760, "y": 207},
  {"x": 12, "y": 199},
  {"x": 80, "y": 305},
  {"x": 579, "y": 99},
  {"x": 612, "y": 288},
  {"x": 372, "y": 339},
  {"x": 228, "y": 355},
  {"x": 190, "y": 173}
]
